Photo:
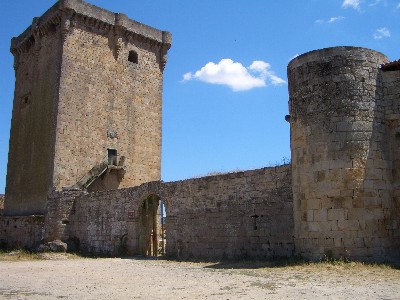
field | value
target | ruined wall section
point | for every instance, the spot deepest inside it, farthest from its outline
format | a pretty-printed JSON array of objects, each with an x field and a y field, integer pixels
[
  {"x": 236, "y": 215},
  {"x": 108, "y": 100},
  {"x": 25, "y": 232},
  {"x": 342, "y": 175},
  {"x": 29, "y": 170}
]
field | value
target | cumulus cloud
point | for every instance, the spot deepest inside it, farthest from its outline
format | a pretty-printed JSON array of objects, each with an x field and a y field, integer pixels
[
  {"x": 351, "y": 4},
  {"x": 235, "y": 75},
  {"x": 381, "y": 33},
  {"x": 330, "y": 20}
]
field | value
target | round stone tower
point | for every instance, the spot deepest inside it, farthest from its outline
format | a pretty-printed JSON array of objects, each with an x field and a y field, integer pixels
[{"x": 340, "y": 166}]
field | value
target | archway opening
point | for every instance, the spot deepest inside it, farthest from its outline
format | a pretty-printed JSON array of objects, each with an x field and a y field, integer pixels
[
  {"x": 152, "y": 227},
  {"x": 162, "y": 233}
]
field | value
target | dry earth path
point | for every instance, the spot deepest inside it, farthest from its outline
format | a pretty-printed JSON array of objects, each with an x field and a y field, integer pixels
[{"x": 115, "y": 278}]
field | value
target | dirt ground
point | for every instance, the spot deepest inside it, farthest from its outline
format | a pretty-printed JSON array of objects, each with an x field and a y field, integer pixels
[{"x": 63, "y": 277}]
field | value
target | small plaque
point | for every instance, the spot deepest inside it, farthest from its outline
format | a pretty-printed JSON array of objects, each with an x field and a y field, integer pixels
[{"x": 131, "y": 214}]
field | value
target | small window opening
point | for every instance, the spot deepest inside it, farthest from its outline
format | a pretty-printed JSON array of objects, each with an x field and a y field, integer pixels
[
  {"x": 112, "y": 157},
  {"x": 133, "y": 57},
  {"x": 25, "y": 100}
]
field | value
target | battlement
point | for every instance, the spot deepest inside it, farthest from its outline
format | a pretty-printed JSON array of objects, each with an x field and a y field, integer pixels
[{"x": 83, "y": 12}]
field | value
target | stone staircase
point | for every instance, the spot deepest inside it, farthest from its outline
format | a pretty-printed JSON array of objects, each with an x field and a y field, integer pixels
[{"x": 105, "y": 165}]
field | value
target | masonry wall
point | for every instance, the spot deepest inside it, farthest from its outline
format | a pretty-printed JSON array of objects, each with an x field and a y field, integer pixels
[
  {"x": 210, "y": 217},
  {"x": 97, "y": 223},
  {"x": 87, "y": 80},
  {"x": 108, "y": 102},
  {"x": 214, "y": 217},
  {"x": 29, "y": 169},
  {"x": 22, "y": 232},
  {"x": 342, "y": 169},
  {"x": 391, "y": 90}
]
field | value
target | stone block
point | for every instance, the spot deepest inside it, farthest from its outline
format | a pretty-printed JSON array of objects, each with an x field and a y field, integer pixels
[
  {"x": 320, "y": 215},
  {"x": 348, "y": 225},
  {"x": 336, "y": 214},
  {"x": 338, "y": 242}
]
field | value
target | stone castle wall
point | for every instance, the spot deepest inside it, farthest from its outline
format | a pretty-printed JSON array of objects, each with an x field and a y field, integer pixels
[
  {"x": 391, "y": 92},
  {"x": 96, "y": 222},
  {"x": 36, "y": 63},
  {"x": 89, "y": 83},
  {"x": 237, "y": 215},
  {"x": 342, "y": 168},
  {"x": 210, "y": 217},
  {"x": 22, "y": 232}
]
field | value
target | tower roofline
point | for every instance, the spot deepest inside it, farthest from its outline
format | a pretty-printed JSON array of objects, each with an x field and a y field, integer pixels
[
  {"x": 327, "y": 52},
  {"x": 96, "y": 16}
]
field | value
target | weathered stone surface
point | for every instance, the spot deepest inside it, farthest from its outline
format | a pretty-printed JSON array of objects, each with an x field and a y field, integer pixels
[
  {"x": 22, "y": 232},
  {"x": 238, "y": 215},
  {"x": 87, "y": 80},
  {"x": 211, "y": 217},
  {"x": 54, "y": 246},
  {"x": 343, "y": 98},
  {"x": 87, "y": 105}
]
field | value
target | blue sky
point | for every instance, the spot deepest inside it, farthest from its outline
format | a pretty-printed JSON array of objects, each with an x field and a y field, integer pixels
[{"x": 225, "y": 92}]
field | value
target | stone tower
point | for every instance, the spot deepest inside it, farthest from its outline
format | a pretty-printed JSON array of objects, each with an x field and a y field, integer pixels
[
  {"x": 344, "y": 192},
  {"x": 87, "y": 104}
]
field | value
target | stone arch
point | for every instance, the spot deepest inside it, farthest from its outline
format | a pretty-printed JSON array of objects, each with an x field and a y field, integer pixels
[{"x": 149, "y": 225}]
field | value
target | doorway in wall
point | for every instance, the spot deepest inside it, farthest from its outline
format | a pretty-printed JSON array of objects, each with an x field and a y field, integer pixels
[
  {"x": 112, "y": 157},
  {"x": 151, "y": 227}
]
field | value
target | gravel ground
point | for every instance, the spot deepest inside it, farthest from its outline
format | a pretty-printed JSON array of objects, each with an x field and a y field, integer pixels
[{"x": 113, "y": 278}]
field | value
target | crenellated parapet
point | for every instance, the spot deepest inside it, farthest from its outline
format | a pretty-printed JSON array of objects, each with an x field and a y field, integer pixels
[{"x": 68, "y": 14}]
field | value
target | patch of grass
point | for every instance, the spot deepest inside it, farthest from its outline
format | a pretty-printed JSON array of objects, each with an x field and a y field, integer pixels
[
  {"x": 23, "y": 255},
  {"x": 18, "y": 255}
]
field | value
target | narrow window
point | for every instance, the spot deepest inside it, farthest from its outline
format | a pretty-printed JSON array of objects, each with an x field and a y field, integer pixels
[
  {"x": 112, "y": 157},
  {"x": 133, "y": 57}
]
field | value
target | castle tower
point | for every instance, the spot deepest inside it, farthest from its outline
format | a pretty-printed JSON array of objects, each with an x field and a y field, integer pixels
[
  {"x": 342, "y": 170},
  {"x": 87, "y": 104}
]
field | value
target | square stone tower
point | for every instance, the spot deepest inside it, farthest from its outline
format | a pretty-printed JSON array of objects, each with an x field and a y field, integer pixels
[{"x": 87, "y": 104}]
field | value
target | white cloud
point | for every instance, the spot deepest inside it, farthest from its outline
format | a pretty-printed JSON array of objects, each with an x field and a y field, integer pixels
[
  {"x": 330, "y": 20},
  {"x": 381, "y": 33},
  {"x": 351, "y": 4},
  {"x": 376, "y": 2},
  {"x": 235, "y": 75},
  {"x": 335, "y": 19},
  {"x": 187, "y": 76}
]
